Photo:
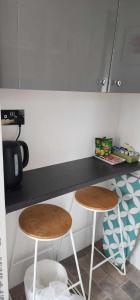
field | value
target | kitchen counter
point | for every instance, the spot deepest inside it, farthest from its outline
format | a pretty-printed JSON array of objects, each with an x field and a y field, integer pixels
[{"x": 48, "y": 182}]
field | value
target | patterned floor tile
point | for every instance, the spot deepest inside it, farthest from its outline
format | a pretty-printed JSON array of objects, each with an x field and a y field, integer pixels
[
  {"x": 108, "y": 285},
  {"x": 119, "y": 294},
  {"x": 69, "y": 264},
  {"x": 107, "y": 267},
  {"x": 99, "y": 275},
  {"x": 117, "y": 277},
  {"x": 97, "y": 293},
  {"x": 84, "y": 263},
  {"x": 134, "y": 275},
  {"x": 132, "y": 290},
  {"x": 17, "y": 293}
]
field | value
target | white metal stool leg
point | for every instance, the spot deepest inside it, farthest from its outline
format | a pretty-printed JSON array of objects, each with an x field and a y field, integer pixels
[
  {"x": 35, "y": 266},
  {"x": 62, "y": 238},
  {"x": 122, "y": 243},
  {"x": 92, "y": 254},
  {"x": 77, "y": 264}
]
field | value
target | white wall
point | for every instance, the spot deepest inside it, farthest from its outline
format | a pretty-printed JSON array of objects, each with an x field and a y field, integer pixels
[
  {"x": 129, "y": 124},
  {"x": 129, "y": 131},
  {"x": 59, "y": 126}
]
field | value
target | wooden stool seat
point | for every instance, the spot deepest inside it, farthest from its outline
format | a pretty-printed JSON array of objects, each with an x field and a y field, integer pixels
[
  {"x": 96, "y": 198},
  {"x": 45, "y": 221}
]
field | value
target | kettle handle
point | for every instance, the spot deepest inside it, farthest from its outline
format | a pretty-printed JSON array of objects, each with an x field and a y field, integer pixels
[{"x": 25, "y": 153}]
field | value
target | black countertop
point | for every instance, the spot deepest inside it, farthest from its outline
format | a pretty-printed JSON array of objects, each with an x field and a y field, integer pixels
[{"x": 45, "y": 183}]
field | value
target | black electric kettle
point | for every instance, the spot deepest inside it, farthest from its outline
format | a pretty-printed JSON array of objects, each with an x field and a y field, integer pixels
[{"x": 14, "y": 160}]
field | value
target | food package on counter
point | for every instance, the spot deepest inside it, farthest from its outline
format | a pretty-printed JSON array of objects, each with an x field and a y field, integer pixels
[
  {"x": 103, "y": 146},
  {"x": 127, "y": 152}
]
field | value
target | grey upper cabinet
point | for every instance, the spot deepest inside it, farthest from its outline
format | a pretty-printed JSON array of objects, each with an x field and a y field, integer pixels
[
  {"x": 9, "y": 77},
  {"x": 72, "y": 45},
  {"x": 65, "y": 44},
  {"x": 125, "y": 67}
]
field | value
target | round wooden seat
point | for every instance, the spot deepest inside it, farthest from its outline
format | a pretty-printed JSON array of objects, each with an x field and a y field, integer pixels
[
  {"x": 96, "y": 198},
  {"x": 45, "y": 221}
]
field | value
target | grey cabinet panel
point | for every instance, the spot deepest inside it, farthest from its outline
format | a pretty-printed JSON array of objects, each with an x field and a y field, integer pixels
[
  {"x": 126, "y": 59},
  {"x": 65, "y": 44},
  {"x": 8, "y": 44}
]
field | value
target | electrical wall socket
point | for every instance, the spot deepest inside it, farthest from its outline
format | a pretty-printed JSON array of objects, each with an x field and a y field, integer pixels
[{"x": 12, "y": 117}]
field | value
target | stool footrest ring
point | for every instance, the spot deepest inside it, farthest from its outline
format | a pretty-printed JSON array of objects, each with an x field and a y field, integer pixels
[
  {"x": 108, "y": 259},
  {"x": 72, "y": 286},
  {"x": 104, "y": 261}
]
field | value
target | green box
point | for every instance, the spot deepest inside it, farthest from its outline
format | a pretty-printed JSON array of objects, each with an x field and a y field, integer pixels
[
  {"x": 129, "y": 159},
  {"x": 103, "y": 146}
]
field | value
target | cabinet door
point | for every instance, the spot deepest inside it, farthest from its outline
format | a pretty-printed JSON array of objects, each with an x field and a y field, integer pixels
[
  {"x": 8, "y": 44},
  {"x": 65, "y": 44},
  {"x": 3, "y": 249},
  {"x": 125, "y": 70}
]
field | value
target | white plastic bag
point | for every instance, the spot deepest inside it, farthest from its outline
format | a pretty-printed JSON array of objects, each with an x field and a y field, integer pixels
[
  {"x": 51, "y": 282},
  {"x": 48, "y": 272},
  {"x": 58, "y": 292},
  {"x": 55, "y": 291},
  {"x": 76, "y": 297},
  {"x": 70, "y": 297}
]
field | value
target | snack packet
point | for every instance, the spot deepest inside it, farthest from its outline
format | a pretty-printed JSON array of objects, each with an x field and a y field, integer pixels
[{"x": 103, "y": 146}]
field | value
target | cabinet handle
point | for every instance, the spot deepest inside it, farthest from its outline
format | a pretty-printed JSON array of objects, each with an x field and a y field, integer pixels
[
  {"x": 101, "y": 82},
  {"x": 118, "y": 83}
]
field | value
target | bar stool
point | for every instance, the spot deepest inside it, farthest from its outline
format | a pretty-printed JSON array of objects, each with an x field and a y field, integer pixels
[
  {"x": 46, "y": 222},
  {"x": 99, "y": 199}
]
